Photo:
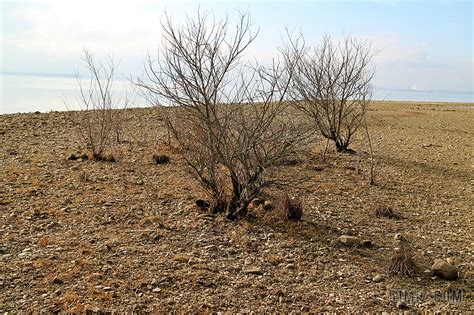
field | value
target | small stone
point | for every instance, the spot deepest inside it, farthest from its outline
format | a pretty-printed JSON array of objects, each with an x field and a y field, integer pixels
[
  {"x": 253, "y": 270},
  {"x": 248, "y": 261},
  {"x": 444, "y": 270},
  {"x": 349, "y": 240},
  {"x": 107, "y": 288},
  {"x": 84, "y": 157},
  {"x": 256, "y": 202},
  {"x": 58, "y": 280},
  {"x": 450, "y": 261},
  {"x": 290, "y": 266},
  {"x": 156, "y": 290},
  {"x": 398, "y": 237},
  {"x": 377, "y": 279},
  {"x": 75, "y": 168},
  {"x": 193, "y": 261},
  {"x": 268, "y": 205}
]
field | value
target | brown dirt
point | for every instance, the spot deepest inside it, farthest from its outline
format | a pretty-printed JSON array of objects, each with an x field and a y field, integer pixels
[{"x": 127, "y": 236}]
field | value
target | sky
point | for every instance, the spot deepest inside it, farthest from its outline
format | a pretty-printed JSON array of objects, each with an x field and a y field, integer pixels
[{"x": 419, "y": 45}]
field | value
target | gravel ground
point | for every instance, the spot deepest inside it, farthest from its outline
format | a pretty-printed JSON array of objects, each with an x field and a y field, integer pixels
[{"x": 126, "y": 236}]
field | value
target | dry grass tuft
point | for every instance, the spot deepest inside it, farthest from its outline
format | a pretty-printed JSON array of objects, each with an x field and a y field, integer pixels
[
  {"x": 291, "y": 208},
  {"x": 84, "y": 177},
  {"x": 385, "y": 211},
  {"x": 402, "y": 263},
  {"x": 160, "y": 159},
  {"x": 219, "y": 204},
  {"x": 44, "y": 241}
]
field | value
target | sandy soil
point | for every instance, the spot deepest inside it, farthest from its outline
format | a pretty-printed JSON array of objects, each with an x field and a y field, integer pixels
[{"x": 126, "y": 236}]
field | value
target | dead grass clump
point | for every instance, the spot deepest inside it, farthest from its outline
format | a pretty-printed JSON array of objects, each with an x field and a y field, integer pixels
[
  {"x": 402, "y": 263},
  {"x": 385, "y": 211},
  {"x": 84, "y": 177},
  {"x": 44, "y": 241},
  {"x": 181, "y": 258},
  {"x": 219, "y": 204},
  {"x": 108, "y": 158},
  {"x": 291, "y": 208},
  {"x": 160, "y": 159},
  {"x": 202, "y": 204},
  {"x": 274, "y": 260}
]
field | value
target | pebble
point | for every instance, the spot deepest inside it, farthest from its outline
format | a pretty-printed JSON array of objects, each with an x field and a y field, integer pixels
[
  {"x": 444, "y": 270},
  {"x": 248, "y": 261},
  {"x": 268, "y": 205},
  {"x": 377, "y": 279},
  {"x": 3, "y": 249},
  {"x": 107, "y": 288},
  {"x": 253, "y": 270},
  {"x": 156, "y": 290},
  {"x": 349, "y": 240},
  {"x": 58, "y": 280}
]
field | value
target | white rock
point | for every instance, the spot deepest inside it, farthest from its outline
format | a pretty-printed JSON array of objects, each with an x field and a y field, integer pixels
[
  {"x": 377, "y": 279},
  {"x": 349, "y": 240},
  {"x": 444, "y": 270}
]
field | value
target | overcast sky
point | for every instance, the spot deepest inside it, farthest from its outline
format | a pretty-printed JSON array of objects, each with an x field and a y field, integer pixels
[{"x": 422, "y": 45}]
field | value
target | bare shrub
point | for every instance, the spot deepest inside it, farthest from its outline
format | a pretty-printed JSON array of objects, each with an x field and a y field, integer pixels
[
  {"x": 99, "y": 117},
  {"x": 94, "y": 120},
  {"x": 291, "y": 208},
  {"x": 332, "y": 86},
  {"x": 372, "y": 160},
  {"x": 226, "y": 117}
]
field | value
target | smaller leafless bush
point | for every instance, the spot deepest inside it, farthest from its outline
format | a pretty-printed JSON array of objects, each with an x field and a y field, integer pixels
[
  {"x": 402, "y": 263},
  {"x": 332, "y": 85},
  {"x": 99, "y": 118},
  {"x": 291, "y": 208},
  {"x": 385, "y": 211},
  {"x": 160, "y": 159}
]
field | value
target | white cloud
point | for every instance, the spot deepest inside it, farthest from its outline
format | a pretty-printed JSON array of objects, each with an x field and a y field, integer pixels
[
  {"x": 403, "y": 64},
  {"x": 64, "y": 27}
]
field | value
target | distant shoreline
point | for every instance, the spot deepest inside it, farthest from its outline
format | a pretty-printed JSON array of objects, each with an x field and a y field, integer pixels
[{"x": 467, "y": 105}]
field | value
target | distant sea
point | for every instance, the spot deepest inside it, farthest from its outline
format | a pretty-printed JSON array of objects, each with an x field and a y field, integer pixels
[{"x": 30, "y": 93}]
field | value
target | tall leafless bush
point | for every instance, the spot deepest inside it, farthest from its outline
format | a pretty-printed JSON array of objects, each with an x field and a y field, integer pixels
[
  {"x": 226, "y": 117},
  {"x": 332, "y": 84}
]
